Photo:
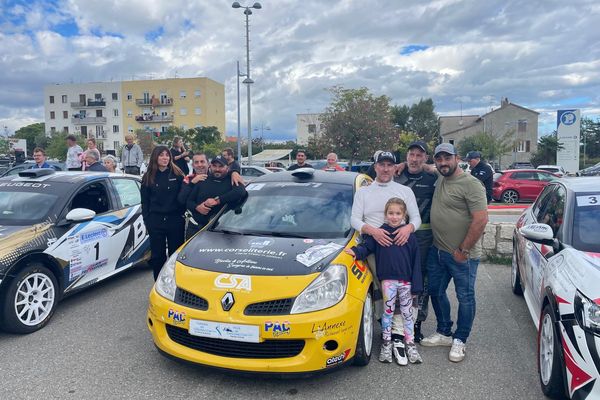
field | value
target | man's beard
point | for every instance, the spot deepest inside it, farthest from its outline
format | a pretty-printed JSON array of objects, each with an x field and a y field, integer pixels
[{"x": 450, "y": 172}]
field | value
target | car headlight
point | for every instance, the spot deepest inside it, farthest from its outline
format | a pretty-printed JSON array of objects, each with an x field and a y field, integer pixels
[
  {"x": 165, "y": 283},
  {"x": 587, "y": 313},
  {"x": 325, "y": 291}
]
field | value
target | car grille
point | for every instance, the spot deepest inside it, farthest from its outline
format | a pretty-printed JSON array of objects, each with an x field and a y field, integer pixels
[
  {"x": 233, "y": 349},
  {"x": 188, "y": 299},
  {"x": 273, "y": 307}
]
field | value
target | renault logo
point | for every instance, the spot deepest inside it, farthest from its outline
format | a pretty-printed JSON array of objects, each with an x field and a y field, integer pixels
[{"x": 227, "y": 301}]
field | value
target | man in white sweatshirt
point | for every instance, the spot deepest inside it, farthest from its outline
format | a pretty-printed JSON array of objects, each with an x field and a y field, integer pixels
[{"x": 368, "y": 216}]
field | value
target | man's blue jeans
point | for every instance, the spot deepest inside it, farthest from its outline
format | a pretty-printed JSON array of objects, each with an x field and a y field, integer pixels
[{"x": 441, "y": 268}]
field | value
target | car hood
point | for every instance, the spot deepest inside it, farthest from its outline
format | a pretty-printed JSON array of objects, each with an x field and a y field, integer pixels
[
  {"x": 581, "y": 268},
  {"x": 259, "y": 255}
]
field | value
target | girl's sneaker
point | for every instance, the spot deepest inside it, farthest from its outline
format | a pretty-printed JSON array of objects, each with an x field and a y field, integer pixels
[
  {"x": 400, "y": 352},
  {"x": 413, "y": 354},
  {"x": 386, "y": 352}
]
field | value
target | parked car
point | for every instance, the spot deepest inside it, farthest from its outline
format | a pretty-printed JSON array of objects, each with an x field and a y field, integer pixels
[
  {"x": 520, "y": 184},
  {"x": 361, "y": 167},
  {"x": 275, "y": 169},
  {"x": 61, "y": 232},
  {"x": 266, "y": 286},
  {"x": 251, "y": 172},
  {"x": 521, "y": 165},
  {"x": 58, "y": 166},
  {"x": 590, "y": 171},
  {"x": 555, "y": 169},
  {"x": 556, "y": 266}
]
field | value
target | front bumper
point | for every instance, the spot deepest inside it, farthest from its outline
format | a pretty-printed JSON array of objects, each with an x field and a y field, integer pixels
[{"x": 305, "y": 343}]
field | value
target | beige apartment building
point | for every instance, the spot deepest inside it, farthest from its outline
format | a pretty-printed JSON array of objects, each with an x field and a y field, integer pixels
[
  {"x": 509, "y": 118},
  {"x": 107, "y": 111}
]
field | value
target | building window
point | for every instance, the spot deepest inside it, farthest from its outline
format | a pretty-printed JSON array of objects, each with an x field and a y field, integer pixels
[
  {"x": 115, "y": 112},
  {"x": 183, "y": 111},
  {"x": 53, "y": 130},
  {"x": 65, "y": 114},
  {"x": 451, "y": 141},
  {"x": 164, "y": 128},
  {"x": 115, "y": 128},
  {"x": 116, "y": 144},
  {"x": 312, "y": 128},
  {"x": 130, "y": 129},
  {"x": 522, "y": 126},
  {"x": 129, "y": 96},
  {"x": 64, "y": 99},
  {"x": 51, "y": 99},
  {"x": 198, "y": 111},
  {"x": 52, "y": 115},
  {"x": 98, "y": 96},
  {"x": 197, "y": 93},
  {"x": 528, "y": 146},
  {"x": 115, "y": 96},
  {"x": 98, "y": 113},
  {"x": 66, "y": 129},
  {"x": 129, "y": 113},
  {"x": 520, "y": 146},
  {"x": 182, "y": 94}
]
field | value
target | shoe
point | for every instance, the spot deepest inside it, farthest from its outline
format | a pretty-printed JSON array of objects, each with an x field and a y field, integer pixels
[
  {"x": 437, "y": 339},
  {"x": 413, "y": 354},
  {"x": 386, "y": 352},
  {"x": 457, "y": 352},
  {"x": 400, "y": 352},
  {"x": 418, "y": 335}
]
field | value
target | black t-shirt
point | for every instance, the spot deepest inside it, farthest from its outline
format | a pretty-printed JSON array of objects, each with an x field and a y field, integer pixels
[
  {"x": 485, "y": 174},
  {"x": 234, "y": 166},
  {"x": 423, "y": 186},
  {"x": 181, "y": 163},
  {"x": 296, "y": 166}
]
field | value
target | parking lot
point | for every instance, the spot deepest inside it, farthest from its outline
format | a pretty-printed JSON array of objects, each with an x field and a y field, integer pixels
[{"x": 98, "y": 347}]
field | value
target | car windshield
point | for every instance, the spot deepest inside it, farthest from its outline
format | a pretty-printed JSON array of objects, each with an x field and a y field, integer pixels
[
  {"x": 586, "y": 224},
  {"x": 288, "y": 209},
  {"x": 25, "y": 208}
]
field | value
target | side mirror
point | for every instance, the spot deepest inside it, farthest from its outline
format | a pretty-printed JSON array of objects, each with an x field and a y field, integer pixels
[
  {"x": 80, "y": 214},
  {"x": 539, "y": 233}
]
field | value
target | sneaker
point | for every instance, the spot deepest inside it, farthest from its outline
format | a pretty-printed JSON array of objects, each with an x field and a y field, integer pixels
[
  {"x": 457, "y": 352},
  {"x": 437, "y": 339},
  {"x": 386, "y": 352},
  {"x": 400, "y": 352},
  {"x": 418, "y": 335},
  {"x": 413, "y": 354}
]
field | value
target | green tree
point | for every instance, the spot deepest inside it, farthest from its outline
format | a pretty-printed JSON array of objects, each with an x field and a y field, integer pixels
[
  {"x": 357, "y": 123},
  {"x": 34, "y": 134},
  {"x": 420, "y": 119},
  {"x": 4, "y": 146},
  {"x": 491, "y": 147},
  {"x": 546, "y": 150},
  {"x": 590, "y": 141}
]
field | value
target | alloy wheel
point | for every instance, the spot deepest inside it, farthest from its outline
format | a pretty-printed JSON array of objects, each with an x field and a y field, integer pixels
[
  {"x": 546, "y": 349},
  {"x": 368, "y": 323},
  {"x": 34, "y": 299}
]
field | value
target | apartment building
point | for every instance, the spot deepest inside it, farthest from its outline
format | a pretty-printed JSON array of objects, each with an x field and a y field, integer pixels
[
  {"x": 109, "y": 110},
  {"x": 307, "y": 125}
]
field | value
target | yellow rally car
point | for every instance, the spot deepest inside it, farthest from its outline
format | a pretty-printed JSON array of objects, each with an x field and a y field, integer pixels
[{"x": 266, "y": 286}]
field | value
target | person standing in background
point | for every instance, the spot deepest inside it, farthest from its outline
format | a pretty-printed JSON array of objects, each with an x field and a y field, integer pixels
[
  {"x": 180, "y": 155},
  {"x": 131, "y": 156},
  {"x": 481, "y": 171},
  {"x": 74, "y": 151},
  {"x": 91, "y": 145},
  {"x": 162, "y": 213}
]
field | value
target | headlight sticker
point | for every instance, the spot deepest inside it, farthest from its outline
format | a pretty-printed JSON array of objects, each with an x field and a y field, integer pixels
[{"x": 314, "y": 254}]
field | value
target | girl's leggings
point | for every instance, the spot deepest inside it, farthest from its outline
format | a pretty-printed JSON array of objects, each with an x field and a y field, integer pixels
[{"x": 393, "y": 289}]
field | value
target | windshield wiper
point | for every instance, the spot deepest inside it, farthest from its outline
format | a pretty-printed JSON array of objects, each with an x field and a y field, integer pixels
[
  {"x": 227, "y": 231},
  {"x": 288, "y": 235}
]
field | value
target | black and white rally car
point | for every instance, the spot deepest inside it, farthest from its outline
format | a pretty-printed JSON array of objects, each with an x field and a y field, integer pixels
[{"x": 61, "y": 232}]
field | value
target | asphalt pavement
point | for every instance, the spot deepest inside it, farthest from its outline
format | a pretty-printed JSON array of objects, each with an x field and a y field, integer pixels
[{"x": 97, "y": 346}]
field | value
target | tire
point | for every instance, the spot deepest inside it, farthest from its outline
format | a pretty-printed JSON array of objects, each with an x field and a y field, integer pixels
[
  {"x": 29, "y": 300},
  {"x": 515, "y": 274},
  {"x": 364, "y": 344},
  {"x": 510, "y": 196},
  {"x": 550, "y": 368}
]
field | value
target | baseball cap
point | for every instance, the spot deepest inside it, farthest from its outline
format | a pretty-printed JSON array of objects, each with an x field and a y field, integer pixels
[
  {"x": 219, "y": 160},
  {"x": 386, "y": 156},
  {"x": 445, "y": 148},
  {"x": 376, "y": 154},
  {"x": 473, "y": 154},
  {"x": 418, "y": 143}
]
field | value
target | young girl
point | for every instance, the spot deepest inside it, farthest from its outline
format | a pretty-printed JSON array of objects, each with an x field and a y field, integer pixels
[{"x": 399, "y": 270}]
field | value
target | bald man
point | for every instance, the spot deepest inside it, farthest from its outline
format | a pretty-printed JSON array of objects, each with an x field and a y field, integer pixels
[{"x": 332, "y": 164}]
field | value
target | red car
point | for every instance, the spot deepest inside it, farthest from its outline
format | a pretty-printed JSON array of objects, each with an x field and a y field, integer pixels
[{"x": 521, "y": 184}]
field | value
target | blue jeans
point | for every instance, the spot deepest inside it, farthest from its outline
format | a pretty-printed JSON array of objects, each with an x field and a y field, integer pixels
[{"x": 441, "y": 268}]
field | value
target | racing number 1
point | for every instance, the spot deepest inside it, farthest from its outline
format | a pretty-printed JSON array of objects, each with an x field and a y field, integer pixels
[{"x": 97, "y": 247}]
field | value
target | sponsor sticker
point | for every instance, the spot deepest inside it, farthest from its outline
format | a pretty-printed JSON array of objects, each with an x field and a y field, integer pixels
[
  {"x": 336, "y": 360},
  {"x": 93, "y": 236},
  {"x": 254, "y": 186},
  {"x": 314, "y": 254},
  {"x": 359, "y": 270},
  {"x": 233, "y": 281},
  {"x": 329, "y": 328},
  {"x": 178, "y": 317},
  {"x": 260, "y": 242},
  {"x": 588, "y": 200},
  {"x": 308, "y": 241},
  {"x": 278, "y": 328}
]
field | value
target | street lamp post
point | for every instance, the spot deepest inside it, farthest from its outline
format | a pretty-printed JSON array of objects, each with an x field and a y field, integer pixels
[
  {"x": 239, "y": 134},
  {"x": 248, "y": 81},
  {"x": 262, "y": 129}
]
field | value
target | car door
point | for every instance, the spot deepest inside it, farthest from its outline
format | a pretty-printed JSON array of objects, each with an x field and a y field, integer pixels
[
  {"x": 552, "y": 214},
  {"x": 525, "y": 184}
]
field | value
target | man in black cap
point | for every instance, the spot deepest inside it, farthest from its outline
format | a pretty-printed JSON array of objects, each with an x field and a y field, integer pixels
[
  {"x": 207, "y": 199},
  {"x": 481, "y": 171},
  {"x": 422, "y": 183}
]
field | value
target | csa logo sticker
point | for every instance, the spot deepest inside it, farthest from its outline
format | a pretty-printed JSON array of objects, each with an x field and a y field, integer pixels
[
  {"x": 177, "y": 316},
  {"x": 278, "y": 328},
  {"x": 335, "y": 360},
  {"x": 359, "y": 270}
]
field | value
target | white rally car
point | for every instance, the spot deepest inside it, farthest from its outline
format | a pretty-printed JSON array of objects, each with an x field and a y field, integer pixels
[{"x": 556, "y": 266}]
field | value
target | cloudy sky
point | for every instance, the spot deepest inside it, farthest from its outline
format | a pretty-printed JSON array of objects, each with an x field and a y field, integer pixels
[{"x": 541, "y": 54}]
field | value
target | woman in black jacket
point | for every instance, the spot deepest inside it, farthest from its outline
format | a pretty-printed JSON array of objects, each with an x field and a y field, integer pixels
[{"x": 162, "y": 214}]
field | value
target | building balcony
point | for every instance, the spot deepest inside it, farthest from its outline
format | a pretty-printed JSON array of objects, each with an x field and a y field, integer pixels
[
  {"x": 153, "y": 118},
  {"x": 88, "y": 120},
  {"x": 89, "y": 104},
  {"x": 154, "y": 102}
]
